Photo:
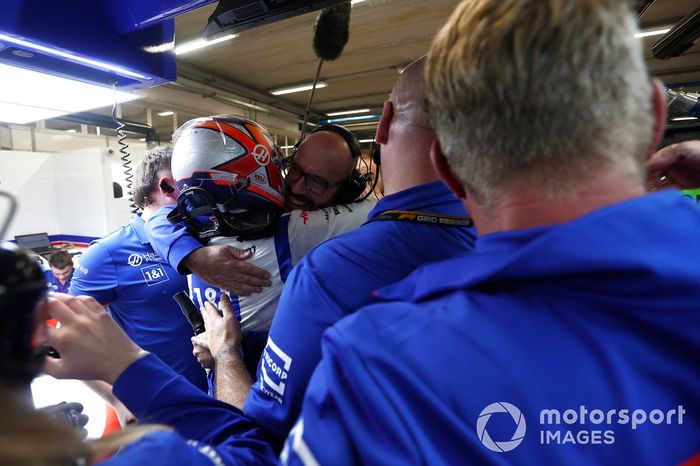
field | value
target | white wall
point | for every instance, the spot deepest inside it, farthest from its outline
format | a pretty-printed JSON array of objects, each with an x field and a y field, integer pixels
[
  {"x": 29, "y": 176},
  {"x": 68, "y": 192}
]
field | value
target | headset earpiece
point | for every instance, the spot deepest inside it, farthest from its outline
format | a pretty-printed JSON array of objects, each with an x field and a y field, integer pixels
[
  {"x": 352, "y": 189},
  {"x": 166, "y": 187}
]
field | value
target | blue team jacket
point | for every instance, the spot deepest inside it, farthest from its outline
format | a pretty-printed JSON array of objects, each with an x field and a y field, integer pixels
[
  {"x": 337, "y": 278},
  {"x": 571, "y": 344}
]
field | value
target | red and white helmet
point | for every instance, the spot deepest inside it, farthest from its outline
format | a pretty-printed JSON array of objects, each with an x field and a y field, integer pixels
[{"x": 231, "y": 165}]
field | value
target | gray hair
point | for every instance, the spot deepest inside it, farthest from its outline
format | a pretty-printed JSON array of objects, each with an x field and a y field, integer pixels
[
  {"x": 550, "y": 90},
  {"x": 148, "y": 172}
]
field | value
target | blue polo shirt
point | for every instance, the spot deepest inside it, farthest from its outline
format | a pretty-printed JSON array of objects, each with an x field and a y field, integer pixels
[
  {"x": 122, "y": 270},
  {"x": 53, "y": 283},
  {"x": 572, "y": 344},
  {"x": 337, "y": 278}
]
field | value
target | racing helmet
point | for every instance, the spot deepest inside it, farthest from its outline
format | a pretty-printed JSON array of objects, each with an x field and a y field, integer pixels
[
  {"x": 22, "y": 289},
  {"x": 228, "y": 170}
]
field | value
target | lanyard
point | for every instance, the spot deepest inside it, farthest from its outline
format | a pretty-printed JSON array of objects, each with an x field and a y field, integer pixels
[{"x": 424, "y": 217}]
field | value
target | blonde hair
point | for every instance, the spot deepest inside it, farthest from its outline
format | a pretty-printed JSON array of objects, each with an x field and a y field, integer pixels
[
  {"x": 551, "y": 89},
  {"x": 32, "y": 438}
]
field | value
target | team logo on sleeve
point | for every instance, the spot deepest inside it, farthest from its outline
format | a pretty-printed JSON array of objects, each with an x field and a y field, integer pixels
[{"x": 275, "y": 371}]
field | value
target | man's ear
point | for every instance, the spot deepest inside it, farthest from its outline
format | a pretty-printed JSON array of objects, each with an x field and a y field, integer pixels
[
  {"x": 442, "y": 168},
  {"x": 659, "y": 109},
  {"x": 382, "y": 135}
]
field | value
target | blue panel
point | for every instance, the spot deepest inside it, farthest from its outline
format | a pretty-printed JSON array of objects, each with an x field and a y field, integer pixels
[
  {"x": 130, "y": 15},
  {"x": 82, "y": 28}
]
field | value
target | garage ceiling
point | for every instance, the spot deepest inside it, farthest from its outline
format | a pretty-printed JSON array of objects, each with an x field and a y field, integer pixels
[{"x": 385, "y": 35}]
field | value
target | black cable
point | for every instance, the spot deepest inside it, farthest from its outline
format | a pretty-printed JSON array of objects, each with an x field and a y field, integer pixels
[
  {"x": 370, "y": 173},
  {"x": 125, "y": 156},
  {"x": 10, "y": 214}
]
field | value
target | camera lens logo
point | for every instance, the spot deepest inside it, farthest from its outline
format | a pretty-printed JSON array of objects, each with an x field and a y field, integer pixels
[{"x": 518, "y": 435}]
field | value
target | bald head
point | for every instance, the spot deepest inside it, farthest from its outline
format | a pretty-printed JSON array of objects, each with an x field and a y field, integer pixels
[
  {"x": 322, "y": 162},
  {"x": 405, "y": 133},
  {"x": 407, "y": 95}
]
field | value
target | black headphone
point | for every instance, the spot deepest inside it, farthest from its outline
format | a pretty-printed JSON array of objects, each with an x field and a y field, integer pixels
[
  {"x": 166, "y": 187},
  {"x": 353, "y": 187}
]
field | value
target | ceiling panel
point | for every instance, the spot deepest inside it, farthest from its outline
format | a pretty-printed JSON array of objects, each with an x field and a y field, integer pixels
[{"x": 385, "y": 35}]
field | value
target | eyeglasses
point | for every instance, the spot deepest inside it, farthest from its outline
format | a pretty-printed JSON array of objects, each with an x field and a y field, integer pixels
[{"x": 314, "y": 183}]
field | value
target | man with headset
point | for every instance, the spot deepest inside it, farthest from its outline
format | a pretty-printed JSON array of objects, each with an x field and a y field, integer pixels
[
  {"x": 418, "y": 221},
  {"x": 228, "y": 171},
  {"x": 321, "y": 173}
]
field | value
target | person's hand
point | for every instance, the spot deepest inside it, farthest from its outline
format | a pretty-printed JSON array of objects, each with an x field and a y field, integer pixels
[
  {"x": 677, "y": 165},
  {"x": 90, "y": 344},
  {"x": 200, "y": 349},
  {"x": 69, "y": 413},
  {"x": 226, "y": 267},
  {"x": 223, "y": 331}
]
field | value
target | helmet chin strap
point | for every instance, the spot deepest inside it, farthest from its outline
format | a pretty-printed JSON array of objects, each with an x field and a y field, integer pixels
[{"x": 246, "y": 225}]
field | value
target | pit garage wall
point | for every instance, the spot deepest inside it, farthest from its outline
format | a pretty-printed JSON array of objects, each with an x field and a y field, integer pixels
[{"x": 65, "y": 193}]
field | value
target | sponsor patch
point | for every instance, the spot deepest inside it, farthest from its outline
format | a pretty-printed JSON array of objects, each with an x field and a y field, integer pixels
[
  {"x": 275, "y": 371},
  {"x": 154, "y": 274}
]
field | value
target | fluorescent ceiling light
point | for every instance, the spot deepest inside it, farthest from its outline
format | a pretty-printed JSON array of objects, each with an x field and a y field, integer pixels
[
  {"x": 366, "y": 140},
  {"x": 70, "y": 131},
  {"x": 254, "y": 107},
  {"x": 200, "y": 44},
  {"x": 168, "y": 113},
  {"x": 142, "y": 139},
  {"x": 299, "y": 88},
  {"x": 366, "y": 124},
  {"x": 349, "y": 112},
  {"x": 287, "y": 147},
  {"x": 27, "y": 95},
  {"x": 652, "y": 32},
  {"x": 352, "y": 118},
  {"x": 75, "y": 58},
  {"x": 683, "y": 118},
  {"x": 354, "y": 2}
]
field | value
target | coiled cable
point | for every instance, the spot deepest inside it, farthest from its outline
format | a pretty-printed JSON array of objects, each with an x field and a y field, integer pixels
[{"x": 124, "y": 154}]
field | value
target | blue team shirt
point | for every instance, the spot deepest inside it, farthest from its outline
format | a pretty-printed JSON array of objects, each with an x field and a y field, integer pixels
[
  {"x": 480, "y": 355},
  {"x": 122, "y": 270},
  {"x": 53, "y": 283},
  {"x": 336, "y": 279}
]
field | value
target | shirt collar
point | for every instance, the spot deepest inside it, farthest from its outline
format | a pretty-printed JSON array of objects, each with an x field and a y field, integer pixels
[
  {"x": 419, "y": 198},
  {"x": 138, "y": 224}
]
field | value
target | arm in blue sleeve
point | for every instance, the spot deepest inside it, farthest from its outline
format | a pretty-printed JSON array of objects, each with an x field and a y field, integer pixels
[
  {"x": 156, "y": 394},
  {"x": 306, "y": 309},
  {"x": 95, "y": 275},
  {"x": 171, "y": 242},
  {"x": 349, "y": 413}
]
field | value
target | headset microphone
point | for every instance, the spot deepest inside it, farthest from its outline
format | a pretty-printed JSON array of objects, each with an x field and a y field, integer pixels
[{"x": 331, "y": 33}]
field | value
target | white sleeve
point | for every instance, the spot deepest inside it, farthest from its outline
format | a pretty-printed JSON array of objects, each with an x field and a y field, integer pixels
[{"x": 308, "y": 229}]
